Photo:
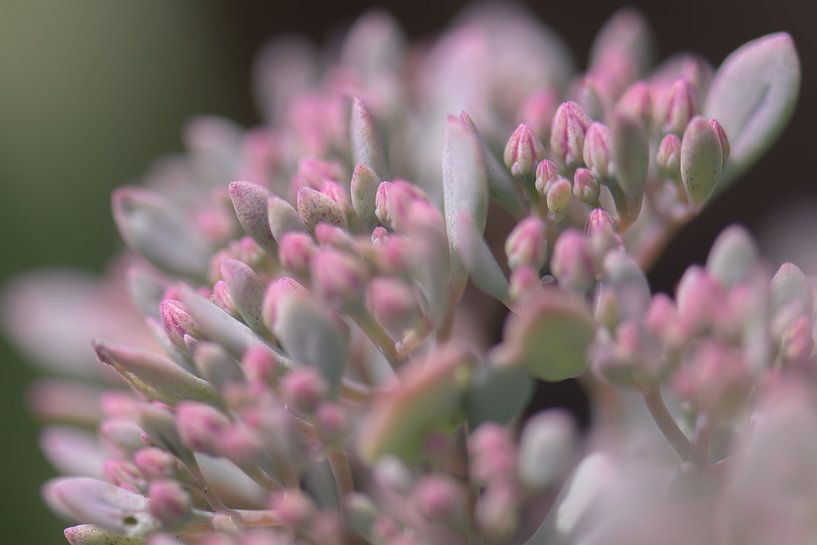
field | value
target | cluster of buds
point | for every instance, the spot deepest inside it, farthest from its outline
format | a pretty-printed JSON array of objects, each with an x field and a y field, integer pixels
[{"x": 307, "y": 358}]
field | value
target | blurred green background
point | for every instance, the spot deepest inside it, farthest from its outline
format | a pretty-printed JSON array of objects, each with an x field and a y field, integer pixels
[{"x": 91, "y": 91}]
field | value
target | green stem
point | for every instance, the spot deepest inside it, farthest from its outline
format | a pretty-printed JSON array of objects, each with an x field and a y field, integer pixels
[{"x": 667, "y": 424}]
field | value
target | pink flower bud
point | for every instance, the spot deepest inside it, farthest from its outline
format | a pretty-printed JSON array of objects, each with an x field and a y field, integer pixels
[
  {"x": 303, "y": 389},
  {"x": 393, "y": 201},
  {"x": 261, "y": 365},
  {"x": 330, "y": 421},
  {"x": 154, "y": 463},
  {"x": 700, "y": 300},
  {"x": 662, "y": 320},
  {"x": 394, "y": 305},
  {"x": 223, "y": 299},
  {"x": 596, "y": 152},
  {"x": 277, "y": 290},
  {"x": 537, "y": 111},
  {"x": 493, "y": 454},
  {"x": 123, "y": 474},
  {"x": 379, "y": 235},
  {"x": 292, "y": 507},
  {"x": 668, "y": 158},
  {"x": 637, "y": 102},
  {"x": 314, "y": 207},
  {"x": 602, "y": 233},
  {"x": 177, "y": 323},
  {"x": 572, "y": 262},
  {"x": 439, "y": 498},
  {"x": 585, "y": 187},
  {"x": 567, "y": 134},
  {"x": 546, "y": 174},
  {"x": 727, "y": 149},
  {"x": 558, "y": 198},
  {"x": 677, "y": 107},
  {"x": 338, "y": 278},
  {"x": 526, "y": 245},
  {"x": 523, "y": 152},
  {"x": 200, "y": 426},
  {"x": 524, "y": 281},
  {"x": 295, "y": 252},
  {"x": 169, "y": 503}
]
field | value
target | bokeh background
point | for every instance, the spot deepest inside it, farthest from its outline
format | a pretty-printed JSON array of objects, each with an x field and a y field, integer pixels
[{"x": 92, "y": 90}]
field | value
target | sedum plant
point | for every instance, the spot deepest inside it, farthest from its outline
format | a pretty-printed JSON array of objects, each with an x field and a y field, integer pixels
[{"x": 300, "y": 344}]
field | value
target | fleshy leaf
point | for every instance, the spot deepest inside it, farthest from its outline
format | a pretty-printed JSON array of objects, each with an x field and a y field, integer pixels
[
  {"x": 154, "y": 376},
  {"x": 250, "y": 204},
  {"x": 479, "y": 261},
  {"x": 497, "y": 393},
  {"x": 549, "y": 337},
  {"x": 426, "y": 398},
  {"x": 88, "y": 534},
  {"x": 753, "y": 95},
  {"x": 310, "y": 337},
  {"x": 465, "y": 187}
]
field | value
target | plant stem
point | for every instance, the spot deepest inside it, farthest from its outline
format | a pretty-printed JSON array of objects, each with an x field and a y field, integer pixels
[
  {"x": 667, "y": 425},
  {"x": 339, "y": 462}
]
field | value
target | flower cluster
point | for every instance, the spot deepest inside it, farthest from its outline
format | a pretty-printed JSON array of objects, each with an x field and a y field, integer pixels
[{"x": 310, "y": 351}]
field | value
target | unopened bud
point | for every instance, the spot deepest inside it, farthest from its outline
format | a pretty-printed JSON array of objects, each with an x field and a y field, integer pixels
[
  {"x": 169, "y": 503},
  {"x": 526, "y": 245},
  {"x": 393, "y": 201},
  {"x": 546, "y": 174},
  {"x": 177, "y": 323},
  {"x": 303, "y": 389},
  {"x": 154, "y": 463},
  {"x": 572, "y": 262},
  {"x": 276, "y": 291},
  {"x": 293, "y": 507},
  {"x": 338, "y": 278},
  {"x": 637, "y": 102},
  {"x": 725, "y": 147},
  {"x": 439, "y": 498},
  {"x": 524, "y": 282},
  {"x": 558, "y": 198},
  {"x": 200, "y": 427},
  {"x": 585, "y": 187},
  {"x": 677, "y": 107},
  {"x": 597, "y": 150},
  {"x": 602, "y": 233},
  {"x": 668, "y": 157},
  {"x": 330, "y": 421},
  {"x": 394, "y": 305},
  {"x": 567, "y": 134},
  {"x": 523, "y": 151},
  {"x": 295, "y": 252}
]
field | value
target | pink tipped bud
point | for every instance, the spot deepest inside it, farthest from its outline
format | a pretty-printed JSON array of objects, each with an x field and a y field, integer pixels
[
  {"x": 379, "y": 235},
  {"x": 303, "y": 389},
  {"x": 526, "y": 245},
  {"x": 123, "y": 474},
  {"x": 332, "y": 235},
  {"x": 393, "y": 201},
  {"x": 558, "y": 198},
  {"x": 700, "y": 300},
  {"x": 668, "y": 158},
  {"x": 662, "y": 321},
  {"x": 597, "y": 150},
  {"x": 338, "y": 278},
  {"x": 493, "y": 455},
  {"x": 725, "y": 147},
  {"x": 314, "y": 207},
  {"x": 393, "y": 304},
  {"x": 439, "y": 498},
  {"x": 677, "y": 107},
  {"x": 546, "y": 174},
  {"x": 260, "y": 365},
  {"x": 567, "y": 134},
  {"x": 292, "y": 507},
  {"x": 169, "y": 503},
  {"x": 602, "y": 233},
  {"x": 797, "y": 343},
  {"x": 585, "y": 187},
  {"x": 223, "y": 299},
  {"x": 538, "y": 110},
  {"x": 572, "y": 262},
  {"x": 295, "y": 252},
  {"x": 200, "y": 426},
  {"x": 177, "y": 323},
  {"x": 523, "y": 151},
  {"x": 154, "y": 463},
  {"x": 276, "y": 291},
  {"x": 330, "y": 421},
  {"x": 637, "y": 102},
  {"x": 524, "y": 282}
]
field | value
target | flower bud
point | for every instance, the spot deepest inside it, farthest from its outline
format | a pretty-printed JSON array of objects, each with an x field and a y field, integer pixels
[
  {"x": 123, "y": 474},
  {"x": 567, "y": 134},
  {"x": 588, "y": 97},
  {"x": 261, "y": 365},
  {"x": 585, "y": 187},
  {"x": 169, "y": 503},
  {"x": 223, "y": 299},
  {"x": 558, "y": 198},
  {"x": 524, "y": 282},
  {"x": 602, "y": 233},
  {"x": 293, "y": 507},
  {"x": 637, "y": 102},
  {"x": 677, "y": 107},
  {"x": 700, "y": 300},
  {"x": 662, "y": 321},
  {"x": 295, "y": 252},
  {"x": 701, "y": 160},
  {"x": 526, "y": 245},
  {"x": 439, "y": 498},
  {"x": 393, "y": 201},
  {"x": 314, "y": 207},
  {"x": 394, "y": 305},
  {"x": 154, "y": 463},
  {"x": 572, "y": 262},
  {"x": 303, "y": 389},
  {"x": 330, "y": 421},
  {"x": 546, "y": 174},
  {"x": 725, "y": 147},
  {"x": 200, "y": 427},
  {"x": 276, "y": 291},
  {"x": 338, "y": 278},
  {"x": 537, "y": 111},
  {"x": 523, "y": 152},
  {"x": 177, "y": 323},
  {"x": 597, "y": 150},
  {"x": 493, "y": 455}
]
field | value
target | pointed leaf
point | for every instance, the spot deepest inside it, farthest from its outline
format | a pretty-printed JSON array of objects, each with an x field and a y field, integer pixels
[{"x": 479, "y": 261}]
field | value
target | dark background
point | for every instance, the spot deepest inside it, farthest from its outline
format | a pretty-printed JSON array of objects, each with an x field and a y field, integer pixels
[{"x": 92, "y": 90}]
